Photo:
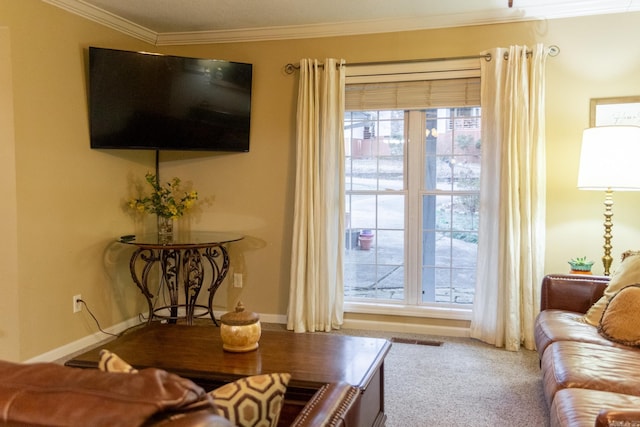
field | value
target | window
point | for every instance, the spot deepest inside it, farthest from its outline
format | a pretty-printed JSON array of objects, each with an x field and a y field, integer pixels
[
  {"x": 412, "y": 169},
  {"x": 450, "y": 196},
  {"x": 375, "y": 204}
]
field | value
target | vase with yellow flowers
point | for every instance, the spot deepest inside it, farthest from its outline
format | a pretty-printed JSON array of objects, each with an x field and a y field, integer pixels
[{"x": 168, "y": 202}]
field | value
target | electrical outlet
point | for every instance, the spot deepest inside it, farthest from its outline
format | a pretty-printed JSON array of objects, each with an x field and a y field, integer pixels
[
  {"x": 237, "y": 280},
  {"x": 77, "y": 305}
]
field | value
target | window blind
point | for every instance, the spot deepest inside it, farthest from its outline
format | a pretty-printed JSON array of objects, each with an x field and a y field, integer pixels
[
  {"x": 413, "y": 86},
  {"x": 411, "y": 95}
]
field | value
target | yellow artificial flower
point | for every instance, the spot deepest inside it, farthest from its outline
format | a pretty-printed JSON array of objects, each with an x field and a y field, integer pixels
[{"x": 165, "y": 201}]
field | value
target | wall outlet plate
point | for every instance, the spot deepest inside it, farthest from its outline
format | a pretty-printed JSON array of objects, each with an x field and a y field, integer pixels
[
  {"x": 237, "y": 280},
  {"x": 77, "y": 305}
]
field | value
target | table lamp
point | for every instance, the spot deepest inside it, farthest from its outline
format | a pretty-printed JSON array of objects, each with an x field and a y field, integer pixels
[{"x": 609, "y": 160}]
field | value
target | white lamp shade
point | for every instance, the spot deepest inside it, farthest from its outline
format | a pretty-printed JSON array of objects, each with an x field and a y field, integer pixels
[{"x": 610, "y": 158}]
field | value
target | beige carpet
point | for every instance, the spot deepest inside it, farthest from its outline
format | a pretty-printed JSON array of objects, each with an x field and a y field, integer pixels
[{"x": 462, "y": 382}]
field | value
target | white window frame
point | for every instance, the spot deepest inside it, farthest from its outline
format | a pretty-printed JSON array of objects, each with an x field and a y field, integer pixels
[{"x": 430, "y": 70}]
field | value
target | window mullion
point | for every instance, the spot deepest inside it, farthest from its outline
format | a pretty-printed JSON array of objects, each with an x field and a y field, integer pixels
[{"x": 415, "y": 134}]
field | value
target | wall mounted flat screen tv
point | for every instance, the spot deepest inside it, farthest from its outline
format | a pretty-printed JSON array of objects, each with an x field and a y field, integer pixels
[{"x": 160, "y": 102}]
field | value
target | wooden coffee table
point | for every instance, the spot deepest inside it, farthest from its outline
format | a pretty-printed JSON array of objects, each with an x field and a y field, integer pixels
[{"x": 312, "y": 359}]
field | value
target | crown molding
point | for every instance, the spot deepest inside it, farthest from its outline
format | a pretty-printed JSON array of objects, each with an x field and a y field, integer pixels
[
  {"x": 316, "y": 30},
  {"x": 110, "y": 20},
  {"x": 546, "y": 12}
]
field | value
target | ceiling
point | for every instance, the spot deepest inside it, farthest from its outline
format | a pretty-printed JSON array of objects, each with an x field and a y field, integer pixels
[{"x": 165, "y": 22}]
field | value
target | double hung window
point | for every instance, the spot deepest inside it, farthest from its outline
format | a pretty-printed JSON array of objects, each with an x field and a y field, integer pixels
[{"x": 412, "y": 172}]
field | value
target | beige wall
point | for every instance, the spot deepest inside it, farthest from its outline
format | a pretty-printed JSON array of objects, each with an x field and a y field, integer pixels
[
  {"x": 9, "y": 336},
  {"x": 70, "y": 198}
]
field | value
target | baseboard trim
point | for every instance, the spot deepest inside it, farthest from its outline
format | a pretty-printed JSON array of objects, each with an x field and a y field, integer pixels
[
  {"x": 273, "y": 318},
  {"x": 94, "y": 339},
  {"x": 83, "y": 343}
]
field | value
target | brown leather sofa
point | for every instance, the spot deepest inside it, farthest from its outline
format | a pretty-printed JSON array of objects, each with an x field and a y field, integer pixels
[
  {"x": 47, "y": 394},
  {"x": 588, "y": 380}
]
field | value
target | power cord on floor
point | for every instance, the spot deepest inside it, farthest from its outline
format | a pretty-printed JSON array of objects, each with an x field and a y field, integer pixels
[
  {"x": 140, "y": 316},
  {"x": 96, "y": 320}
]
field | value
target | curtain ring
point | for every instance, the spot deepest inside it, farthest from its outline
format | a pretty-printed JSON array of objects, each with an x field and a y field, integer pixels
[{"x": 554, "y": 50}]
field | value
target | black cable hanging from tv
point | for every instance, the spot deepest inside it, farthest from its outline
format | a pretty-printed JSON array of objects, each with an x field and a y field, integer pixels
[{"x": 157, "y": 167}]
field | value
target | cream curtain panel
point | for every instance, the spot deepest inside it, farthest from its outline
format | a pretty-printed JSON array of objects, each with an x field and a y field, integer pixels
[
  {"x": 512, "y": 212},
  {"x": 316, "y": 295}
]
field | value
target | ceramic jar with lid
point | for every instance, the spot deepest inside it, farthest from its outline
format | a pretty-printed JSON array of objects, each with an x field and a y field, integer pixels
[{"x": 240, "y": 330}]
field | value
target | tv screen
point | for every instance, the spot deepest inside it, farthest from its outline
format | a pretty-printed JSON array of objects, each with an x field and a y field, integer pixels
[{"x": 160, "y": 102}]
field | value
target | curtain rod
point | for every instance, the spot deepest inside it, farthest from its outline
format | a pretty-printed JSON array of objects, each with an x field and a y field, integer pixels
[{"x": 291, "y": 68}]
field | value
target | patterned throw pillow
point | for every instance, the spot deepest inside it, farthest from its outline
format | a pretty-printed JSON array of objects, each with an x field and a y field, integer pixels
[
  {"x": 626, "y": 274},
  {"x": 621, "y": 319},
  {"x": 253, "y": 401}
]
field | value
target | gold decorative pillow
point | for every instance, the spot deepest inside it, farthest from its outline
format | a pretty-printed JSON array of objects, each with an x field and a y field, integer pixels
[
  {"x": 621, "y": 318},
  {"x": 252, "y": 401},
  {"x": 626, "y": 274},
  {"x": 111, "y": 362}
]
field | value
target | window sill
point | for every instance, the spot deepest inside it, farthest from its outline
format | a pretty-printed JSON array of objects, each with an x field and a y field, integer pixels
[{"x": 435, "y": 312}]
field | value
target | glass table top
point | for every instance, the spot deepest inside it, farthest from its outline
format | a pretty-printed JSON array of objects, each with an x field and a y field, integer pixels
[{"x": 181, "y": 239}]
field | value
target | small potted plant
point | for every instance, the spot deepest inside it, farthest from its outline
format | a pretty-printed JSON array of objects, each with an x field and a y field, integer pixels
[{"x": 580, "y": 265}]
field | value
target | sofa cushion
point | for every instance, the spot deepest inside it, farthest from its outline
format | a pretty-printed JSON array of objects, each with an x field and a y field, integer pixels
[
  {"x": 628, "y": 273},
  {"x": 55, "y": 395},
  {"x": 569, "y": 364},
  {"x": 560, "y": 325},
  {"x": 575, "y": 407},
  {"x": 621, "y": 318},
  {"x": 247, "y": 402}
]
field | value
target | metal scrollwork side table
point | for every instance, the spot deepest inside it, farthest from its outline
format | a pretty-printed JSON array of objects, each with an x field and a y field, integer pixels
[{"x": 186, "y": 261}]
